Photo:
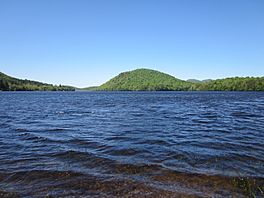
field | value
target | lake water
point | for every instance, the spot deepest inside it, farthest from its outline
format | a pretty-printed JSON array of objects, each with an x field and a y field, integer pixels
[{"x": 131, "y": 144}]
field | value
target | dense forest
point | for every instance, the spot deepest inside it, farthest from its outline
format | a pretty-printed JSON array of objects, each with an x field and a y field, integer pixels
[
  {"x": 8, "y": 83},
  {"x": 145, "y": 79},
  {"x": 151, "y": 80},
  {"x": 232, "y": 84},
  {"x": 142, "y": 80}
]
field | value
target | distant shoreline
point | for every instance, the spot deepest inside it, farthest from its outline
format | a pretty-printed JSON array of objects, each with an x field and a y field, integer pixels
[{"x": 141, "y": 80}]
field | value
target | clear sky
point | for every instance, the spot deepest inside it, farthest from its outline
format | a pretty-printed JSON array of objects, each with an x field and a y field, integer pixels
[{"x": 86, "y": 42}]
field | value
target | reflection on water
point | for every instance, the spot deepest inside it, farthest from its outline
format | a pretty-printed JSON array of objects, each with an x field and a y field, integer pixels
[{"x": 132, "y": 144}]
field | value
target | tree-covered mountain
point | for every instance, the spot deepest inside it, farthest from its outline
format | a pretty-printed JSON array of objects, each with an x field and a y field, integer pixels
[
  {"x": 151, "y": 80},
  {"x": 144, "y": 80},
  {"x": 8, "y": 83}
]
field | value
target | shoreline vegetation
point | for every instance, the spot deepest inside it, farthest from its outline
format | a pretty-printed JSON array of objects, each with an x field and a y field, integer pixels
[
  {"x": 8, "y": 83},
  {"x": 141, "y": 80},
  {"x": 152, "y": 80}
]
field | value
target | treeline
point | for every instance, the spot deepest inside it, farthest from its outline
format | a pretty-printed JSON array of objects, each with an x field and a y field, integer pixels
[
  {"x": 8, "y": 83},
  {"x": 151, "y": 80},
  {"x": 232, "y": 84},
  {"x": 142, "y": 80}
]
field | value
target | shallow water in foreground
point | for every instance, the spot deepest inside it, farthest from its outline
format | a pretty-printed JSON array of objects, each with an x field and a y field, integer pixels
[{"x": 131, "y": 144}]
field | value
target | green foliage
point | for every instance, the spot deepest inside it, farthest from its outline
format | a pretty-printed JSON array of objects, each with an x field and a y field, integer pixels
[
  {"x": 142, "y": 80},
  {"x": 151, "y": 80},
  {"x": 233, "y": 84},
  {"x": 8, "y": 83},
  {"x": 145, "y": 80}
]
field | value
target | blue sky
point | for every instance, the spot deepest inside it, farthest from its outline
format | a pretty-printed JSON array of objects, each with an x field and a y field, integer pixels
[{"x": 85, "y": 42}]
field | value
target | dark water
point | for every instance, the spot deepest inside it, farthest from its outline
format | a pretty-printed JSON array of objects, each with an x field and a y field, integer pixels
[{"x": 129, "y": 144}]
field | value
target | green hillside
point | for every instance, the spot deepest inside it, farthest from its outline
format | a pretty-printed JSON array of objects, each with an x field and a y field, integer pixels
[
  {"x": 151, "y": 80},
  {"x": 145, "y": 80},
  {"x": 233, "y": 84},
  {"x": 8, "y": 83}
]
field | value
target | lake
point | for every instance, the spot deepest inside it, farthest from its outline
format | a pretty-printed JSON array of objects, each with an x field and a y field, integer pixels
[{"x": 131, "y": 144}]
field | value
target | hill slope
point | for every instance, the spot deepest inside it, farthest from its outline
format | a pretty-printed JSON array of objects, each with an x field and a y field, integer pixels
[
  {"x": 145, "y": 80},
  {"x": 233, "y": 84},
  {"x": 8, "y": 83},
  {"x": 151, "y": 80}
]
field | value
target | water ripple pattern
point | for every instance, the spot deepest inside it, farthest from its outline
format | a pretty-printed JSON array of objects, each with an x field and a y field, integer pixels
[{"x": 130, "y": 144}]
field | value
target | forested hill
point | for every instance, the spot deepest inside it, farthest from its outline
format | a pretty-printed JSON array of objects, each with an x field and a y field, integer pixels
[
  {"x": 144, "y": 80},
  {"x": 151, "y": 80},
  {"x": 8, "y": 83}
]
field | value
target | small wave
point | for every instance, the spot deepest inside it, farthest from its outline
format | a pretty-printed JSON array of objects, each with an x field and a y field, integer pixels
[
  {"x": 56, "y": 129},
  {"x": 242, "y": 114},
  {"x": 89, "y": 144},
  {"x": 89, "y": 160},
  {"x": 32, "y": 137},
  {"x": 21, "y": 130},
  {"x": 3, "y": 125},
  {"x": 60, "y": 112},
  {"x": 40, "y": 129},
  {"x": 137, "y": 114},
  {"x": 156, "y": 142},
  {"x": 123, "y": 152},
  {"x": 202, "y": 121},
  {"x": 116, "y": 137},
  {"x": 39, "y": 139}
]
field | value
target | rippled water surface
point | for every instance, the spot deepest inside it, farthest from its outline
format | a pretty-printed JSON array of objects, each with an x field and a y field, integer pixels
[{"x": 131, "y": 144}]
